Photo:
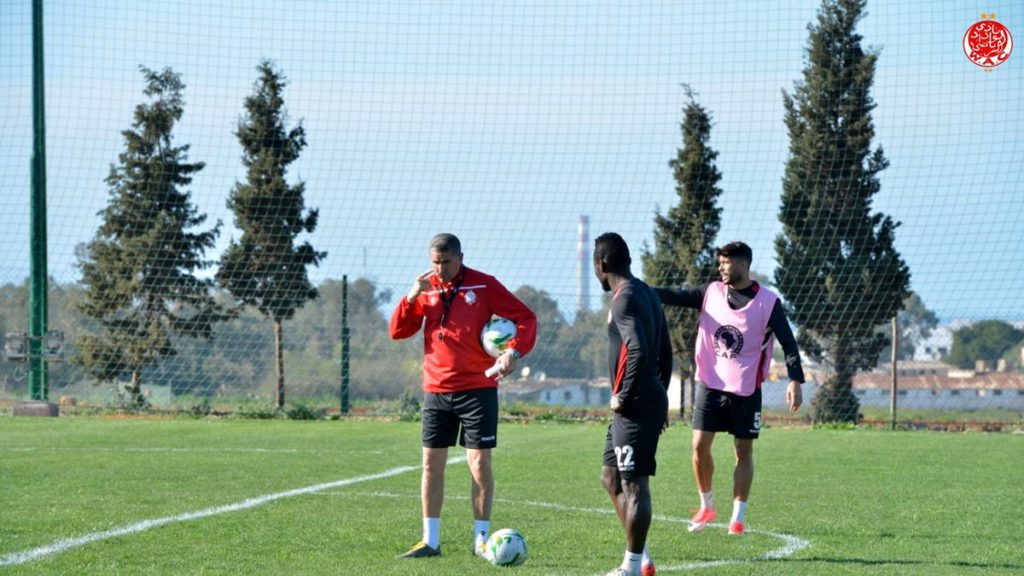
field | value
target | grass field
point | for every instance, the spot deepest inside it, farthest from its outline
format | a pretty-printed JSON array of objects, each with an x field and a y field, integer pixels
[{"x": 341, "y": 497}]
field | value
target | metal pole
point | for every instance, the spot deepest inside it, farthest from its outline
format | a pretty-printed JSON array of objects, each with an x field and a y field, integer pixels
[
  {"x": 344, "y": 345},
  {"x": 37, "y": 308},
  {"x": 895, "y": 380}
]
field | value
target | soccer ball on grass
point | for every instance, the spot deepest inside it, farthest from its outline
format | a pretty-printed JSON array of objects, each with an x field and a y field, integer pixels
[{"x": 506, "y": 547}]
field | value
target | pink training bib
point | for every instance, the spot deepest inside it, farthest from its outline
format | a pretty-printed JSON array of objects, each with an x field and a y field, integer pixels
[{"x": 732, "y": 354}]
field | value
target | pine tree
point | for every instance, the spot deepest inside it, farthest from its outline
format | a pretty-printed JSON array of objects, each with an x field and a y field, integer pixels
[
  {"x": 265, "y": 268},
  {"x": 138, "y": 270},
  {"x": 684, "y": 252},
  {"x": 838, "y": 268}
]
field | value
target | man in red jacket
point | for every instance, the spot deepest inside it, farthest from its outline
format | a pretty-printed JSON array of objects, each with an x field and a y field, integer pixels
[{"x": 452, "y": 303}]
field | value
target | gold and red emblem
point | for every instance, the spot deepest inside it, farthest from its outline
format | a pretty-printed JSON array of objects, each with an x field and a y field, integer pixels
[{"x": 988, "y": 42}]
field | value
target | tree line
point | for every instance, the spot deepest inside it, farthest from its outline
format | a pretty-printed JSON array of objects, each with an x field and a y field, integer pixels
[{"x": 238, "y": 360}]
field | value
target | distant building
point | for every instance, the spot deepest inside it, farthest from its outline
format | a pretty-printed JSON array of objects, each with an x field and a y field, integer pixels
[
  {"x": 934, "y": 385},
  {"x": 773, "y": 391},
  {"x": 926, "y": 385},
  {"x": 557, "y": 391},
  {"x": 937, "y": 345}
]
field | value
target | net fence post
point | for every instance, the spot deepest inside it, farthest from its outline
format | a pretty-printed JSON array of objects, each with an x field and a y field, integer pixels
[
  {"x": 895, "y": 378},
  {"x": 38, "y": 267},
  {"x": 344, "y": 345}
]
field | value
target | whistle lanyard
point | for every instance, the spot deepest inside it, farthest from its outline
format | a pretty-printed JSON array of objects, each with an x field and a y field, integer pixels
[{"x": 447, "y": 298}]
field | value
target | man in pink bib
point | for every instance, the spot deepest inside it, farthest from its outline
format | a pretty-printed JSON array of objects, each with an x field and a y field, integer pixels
[{"x": 739, "y": 321}]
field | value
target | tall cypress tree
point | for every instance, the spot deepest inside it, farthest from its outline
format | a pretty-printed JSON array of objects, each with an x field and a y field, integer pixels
[
  {"x": 266, "y": 268},
  {"x": 838, "y": 268},
  {"x": 684, "y": 251},
  {"x": 138, "y": 270}
]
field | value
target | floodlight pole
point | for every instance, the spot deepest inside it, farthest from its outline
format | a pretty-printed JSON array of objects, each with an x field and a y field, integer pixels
[
  {"x": 344, "y": 345},
  {"x": 37, "y": 308}
]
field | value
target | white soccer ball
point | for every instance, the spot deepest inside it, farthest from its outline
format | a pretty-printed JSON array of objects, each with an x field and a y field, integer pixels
[
  {"x": 496, "y": 335},
  {"x": 506, "y": 547}
]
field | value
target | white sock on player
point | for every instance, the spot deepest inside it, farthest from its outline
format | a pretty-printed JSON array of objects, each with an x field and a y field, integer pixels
[
  {"x": 739, "y": 509},
  {"x": 705, "y": 500},
  {"x": 481, "y": 529},
  {"x": 631, "y": 562},
  {"x": 432, "y": 532}
]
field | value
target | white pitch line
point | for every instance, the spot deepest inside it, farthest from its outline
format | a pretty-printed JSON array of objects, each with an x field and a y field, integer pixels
[
  {"x": 793, "y": 544},
  {"x": 168, "y": 449},
  {"x": 65, "y": 544}
]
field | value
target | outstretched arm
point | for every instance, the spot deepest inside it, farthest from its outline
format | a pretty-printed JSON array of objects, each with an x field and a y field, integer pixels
[{"x": 685, "y": 297}]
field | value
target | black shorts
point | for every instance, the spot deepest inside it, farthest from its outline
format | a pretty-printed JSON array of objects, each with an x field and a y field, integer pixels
[
  {"x": 471, "y": 417},
  {"x": 718, "y": 411},
  {"x": 631, "y": 445}
]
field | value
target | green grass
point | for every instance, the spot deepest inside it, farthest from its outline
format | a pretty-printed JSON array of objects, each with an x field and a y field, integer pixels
[
  {"x": 905, "y": 415},
  {"x": 867, "y": 501}
]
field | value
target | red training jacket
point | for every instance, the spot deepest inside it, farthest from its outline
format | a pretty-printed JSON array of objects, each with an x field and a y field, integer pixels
[{"x": 453, "y": 358}]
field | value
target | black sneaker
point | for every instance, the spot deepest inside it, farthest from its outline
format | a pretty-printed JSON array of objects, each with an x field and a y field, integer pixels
[{"x": 421, "y": 550}]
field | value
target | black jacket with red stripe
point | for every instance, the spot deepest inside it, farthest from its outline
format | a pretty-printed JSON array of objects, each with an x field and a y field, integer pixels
[{"x": 639, "y": 348}]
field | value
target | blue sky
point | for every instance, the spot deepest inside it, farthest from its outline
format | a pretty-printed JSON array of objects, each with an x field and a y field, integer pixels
[{"x": 505, "y": 121}]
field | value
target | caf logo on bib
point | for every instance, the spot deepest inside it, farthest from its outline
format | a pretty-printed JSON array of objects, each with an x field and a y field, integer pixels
[{"x": 728, "y": 342}]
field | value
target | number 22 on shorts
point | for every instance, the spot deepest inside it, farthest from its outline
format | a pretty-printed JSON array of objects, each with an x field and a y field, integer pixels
[{"x": 624, "y": 456}]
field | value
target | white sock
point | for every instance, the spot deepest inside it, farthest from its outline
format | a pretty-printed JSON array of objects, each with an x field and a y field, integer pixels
[
  {"x": 631, "y": 562},
  {"x": 705, "y": 500},
  {"x": 739, "y": 509},
  {"x": 432, "y": 532},
  {"x": 481, "y": 527},
  {"x": 646, "y": 557}
]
